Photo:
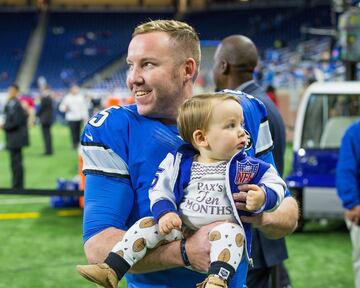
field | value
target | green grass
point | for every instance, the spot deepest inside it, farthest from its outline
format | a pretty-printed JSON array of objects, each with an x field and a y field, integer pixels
[
  {"x": 320, "y": 256},
  {"x": 288, "y": 159},
  {"x": 43, "y": 252}
]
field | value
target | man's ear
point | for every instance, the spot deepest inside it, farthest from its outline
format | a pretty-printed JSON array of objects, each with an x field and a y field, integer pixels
[
  {"x": 224, "y": 67},
  {"x": 199, "y": 138},
  {"x": 190, "y": 69}
]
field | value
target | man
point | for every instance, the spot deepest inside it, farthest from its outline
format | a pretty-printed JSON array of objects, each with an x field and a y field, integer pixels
[
  {"x": 234, "y": 64},
  {"x": 46, "y": 117},
  {"x": 123, "y": 147},
  {"x": 75, "y": 107},
  {"x": 348, "y": 187},
  {"x": 16, "y": 132}
]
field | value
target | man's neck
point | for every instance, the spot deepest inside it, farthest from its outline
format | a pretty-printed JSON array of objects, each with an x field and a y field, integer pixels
[
  {"x": 236, "y": 80},
  {"x": 167, "y": 121}
]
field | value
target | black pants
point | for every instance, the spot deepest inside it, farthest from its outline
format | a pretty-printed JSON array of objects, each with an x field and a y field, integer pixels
[
  {"x": 46, "y": 132},
  {"x": 268, "y": 277},
  {"x": 75, "y": 127},
  {"x": 258, "y": 278},
  {"x": 17, "y": 168}
]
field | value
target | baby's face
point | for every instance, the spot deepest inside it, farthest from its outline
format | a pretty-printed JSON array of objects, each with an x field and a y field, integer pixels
[{"x": 225, "y": 134}]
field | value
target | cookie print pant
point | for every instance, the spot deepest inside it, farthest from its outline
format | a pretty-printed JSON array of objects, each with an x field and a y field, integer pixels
[{"x": 226, "y": 239}]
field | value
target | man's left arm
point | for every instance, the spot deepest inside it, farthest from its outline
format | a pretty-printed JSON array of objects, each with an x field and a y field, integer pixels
[{"x": 276, "y": 224}]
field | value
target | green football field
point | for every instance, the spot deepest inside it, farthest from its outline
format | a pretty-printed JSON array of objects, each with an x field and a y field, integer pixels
[{"x": 40, "y": 245}]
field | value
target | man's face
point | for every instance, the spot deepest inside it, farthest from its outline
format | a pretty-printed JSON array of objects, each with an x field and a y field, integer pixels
[{"x": 156, "y": 75}]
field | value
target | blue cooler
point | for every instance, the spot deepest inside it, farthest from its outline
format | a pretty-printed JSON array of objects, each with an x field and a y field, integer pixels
[{"x": 65, "y": 201}]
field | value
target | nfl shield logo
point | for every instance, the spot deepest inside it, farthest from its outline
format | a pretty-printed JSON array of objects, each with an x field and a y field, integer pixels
[{"x": 245, "y": 172}]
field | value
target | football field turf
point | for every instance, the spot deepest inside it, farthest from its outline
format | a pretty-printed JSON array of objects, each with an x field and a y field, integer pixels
[{"x": 40, "y": 246}]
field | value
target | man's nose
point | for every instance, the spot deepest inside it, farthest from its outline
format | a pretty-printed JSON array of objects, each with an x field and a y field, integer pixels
[{"x": 135, "y": 77}]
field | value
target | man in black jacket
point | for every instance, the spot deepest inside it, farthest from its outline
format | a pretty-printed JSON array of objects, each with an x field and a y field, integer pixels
[
  {"x": 46, "y": 117},
  {"x": 16, "y": 132},
  {"x": 234, "y": 64}
]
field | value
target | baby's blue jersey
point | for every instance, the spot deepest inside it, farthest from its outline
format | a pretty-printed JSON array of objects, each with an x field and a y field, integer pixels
[{"x": 122, "y": 151}]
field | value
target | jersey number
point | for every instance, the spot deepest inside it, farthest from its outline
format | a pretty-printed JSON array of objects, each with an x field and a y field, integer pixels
[
  {"x": 100, "y": 118},
  {"x": 156, "y": 178}
]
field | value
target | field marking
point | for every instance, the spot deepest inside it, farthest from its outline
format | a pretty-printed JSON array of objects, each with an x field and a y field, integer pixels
[
  {"x": 24, "y": 215},
  {"x": 67, "y": 213},
  {"x": 15, "y": 201},
  {"x": 33, "y": 215}
]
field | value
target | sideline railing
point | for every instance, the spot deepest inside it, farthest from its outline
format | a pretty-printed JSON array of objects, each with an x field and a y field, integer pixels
[{"x": 42, "y": 192}]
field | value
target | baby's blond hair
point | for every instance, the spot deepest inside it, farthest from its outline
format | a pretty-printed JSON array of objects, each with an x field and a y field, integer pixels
[{"x": 195, "y": 113}]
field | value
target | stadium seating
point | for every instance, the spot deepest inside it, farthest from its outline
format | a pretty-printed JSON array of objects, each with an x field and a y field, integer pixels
[
  {"x": 78, "y": 45},
  {"x": 15, "y": 32},
  {"x": 266, "y": 27}
]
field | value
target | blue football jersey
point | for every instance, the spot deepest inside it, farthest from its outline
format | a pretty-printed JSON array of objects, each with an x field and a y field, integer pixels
[{"x": 122, "y": 151}]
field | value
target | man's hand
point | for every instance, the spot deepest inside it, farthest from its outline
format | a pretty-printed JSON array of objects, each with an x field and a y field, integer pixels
[
  {"x": 198, "y": 247},
  {"x": 168, "y": 222},
  {"x": 353, "y": 215}
]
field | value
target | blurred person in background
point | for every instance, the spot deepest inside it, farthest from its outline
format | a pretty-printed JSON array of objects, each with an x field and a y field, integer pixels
[
  {"x": 28, "y": 103},
  {"x": 75, "y": 107},
  {"x": 16, "y": 132},
  {"x": 348, "y": 188},
  {"x": 235, "y": 61},
  {"x": 46, "y": 116}
]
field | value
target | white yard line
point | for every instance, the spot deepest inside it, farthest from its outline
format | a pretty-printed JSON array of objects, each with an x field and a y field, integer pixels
[{"x": 28, "y": 200}]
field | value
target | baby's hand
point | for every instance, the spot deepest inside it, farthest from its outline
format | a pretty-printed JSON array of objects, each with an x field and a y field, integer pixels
[
  {"x": 255, "y": 198},
  {"x": 168, "y": 222}
]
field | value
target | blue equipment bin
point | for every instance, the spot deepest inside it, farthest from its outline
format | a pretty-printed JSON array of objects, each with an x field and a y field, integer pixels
[{"x": 65, "y": 201}]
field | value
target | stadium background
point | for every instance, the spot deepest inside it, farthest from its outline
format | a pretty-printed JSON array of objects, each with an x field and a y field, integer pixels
[{"x": 61, "y": 42}]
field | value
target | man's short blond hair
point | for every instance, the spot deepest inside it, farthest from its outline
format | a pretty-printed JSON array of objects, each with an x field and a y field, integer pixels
[
  {"x": 184, "y": 36},
  {"x": 195, "y": 113}
]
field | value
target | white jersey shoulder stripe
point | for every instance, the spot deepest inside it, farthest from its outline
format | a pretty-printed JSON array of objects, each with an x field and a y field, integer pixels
[
  {"x": 103, "y": 161},
  {"x": 264, "y": 141}
]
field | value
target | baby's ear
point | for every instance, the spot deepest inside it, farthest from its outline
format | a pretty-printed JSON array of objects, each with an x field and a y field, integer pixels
[{"x": 199, "y": 138}]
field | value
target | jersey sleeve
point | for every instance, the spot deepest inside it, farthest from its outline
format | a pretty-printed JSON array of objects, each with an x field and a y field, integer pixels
[
  {"x": 108, "y": 193},
  {"x": 105, "y": 144},
  {"x": 162, "y": 198},
  {"x": 108, "y": 203}
]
